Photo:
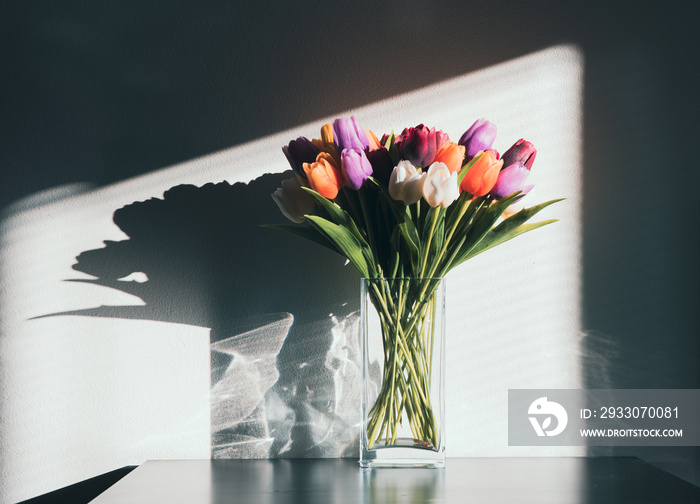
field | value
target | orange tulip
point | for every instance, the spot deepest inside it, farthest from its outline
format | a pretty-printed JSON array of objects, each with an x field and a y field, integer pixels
[
  {"x": 451, "y": 155},
  {"x": 483, "y": 174},
  {"x": 324, "y": 176},
  {"x": 373, "y": 140}
]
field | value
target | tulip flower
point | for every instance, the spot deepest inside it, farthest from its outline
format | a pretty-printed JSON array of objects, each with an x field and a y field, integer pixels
[
  {"x": 511, "y": 179},
  {"x": 324, "y": 176},
  {"x": 406, "y": 183},
  {"x": 355, "y": 167},
  {"x": 382, "y": 164},
  {"x": 451, "y": 155},
  {"x": 300, "y": 151},
  {"x": 293, "y": 201},
  {"x": 327, "y": 136},
  {"x": 347, "y": 134},
  {"x": 420, "y": 144},
  {"x": 521, "y": 152},
  {"x": 373, "y": 140},
  {"x": 325, "y": 143},
  {"x": 440, "y": 187},
  {"x": 479, "y": 137},
  {"x": 483, "y": 174}
]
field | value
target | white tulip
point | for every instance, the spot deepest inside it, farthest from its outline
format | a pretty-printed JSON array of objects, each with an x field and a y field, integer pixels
[
  {"x": 406, "y": 183},
  {"x": 440, "y": 187},
  {"x": 293, "y": 201}
]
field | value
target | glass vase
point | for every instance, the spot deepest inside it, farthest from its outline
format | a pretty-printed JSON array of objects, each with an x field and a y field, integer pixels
[{"x": 403, "y": 355}]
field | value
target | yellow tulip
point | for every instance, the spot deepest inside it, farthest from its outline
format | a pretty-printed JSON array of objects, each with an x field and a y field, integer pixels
[{"x": 327, "y": 136}]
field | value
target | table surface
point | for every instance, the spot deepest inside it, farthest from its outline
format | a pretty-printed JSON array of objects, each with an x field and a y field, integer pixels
[{"x": 472, "y": 480}]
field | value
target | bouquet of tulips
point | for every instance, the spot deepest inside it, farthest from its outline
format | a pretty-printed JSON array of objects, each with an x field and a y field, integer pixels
[{"x": 413, "y": 205}]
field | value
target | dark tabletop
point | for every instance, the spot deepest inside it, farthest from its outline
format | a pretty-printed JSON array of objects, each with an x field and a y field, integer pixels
[{"x": 463, "y": 480}]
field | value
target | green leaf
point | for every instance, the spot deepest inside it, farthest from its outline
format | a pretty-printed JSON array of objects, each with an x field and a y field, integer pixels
[
  {"x": 398, "y": 208},
  {"x": 395, "y": 259},
  {"x": 428, "y": 226},
  {"x": 447, "y": 265},
  {"x": 524, "y": 215},
  {"x": 439, "y": 236},
  {"x": 483, "y": 218},
  {"x": 484, "y": 237},
  {"x": 390, "y": 140},
  {"x": 478, "y": 225},
  {"x": 347, "y": 243},
  {"x": 496, "y": 238},
  {"x": 454, "y": 209},
  {"x": 410, "y": 233},
  {"x": 465, "y": 169},
  {"x": 432, "y": 237},
  {"x": 339, "y": 216},
  {"x": 392, "y": 148},
  {"x": 467, "y": 219}
]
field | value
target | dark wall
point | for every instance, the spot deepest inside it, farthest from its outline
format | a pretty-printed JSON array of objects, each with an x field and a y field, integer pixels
[{"x": 101, "y": 91}]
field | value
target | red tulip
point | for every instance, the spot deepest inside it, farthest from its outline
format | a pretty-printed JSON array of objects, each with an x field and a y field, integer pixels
[{"x": 420, "y": 144}]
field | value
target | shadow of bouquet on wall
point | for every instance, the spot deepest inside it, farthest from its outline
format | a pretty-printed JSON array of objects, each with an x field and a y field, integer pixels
[{"x": 282, "y": 313}]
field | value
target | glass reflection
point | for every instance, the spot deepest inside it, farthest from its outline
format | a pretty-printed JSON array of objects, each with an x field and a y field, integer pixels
[{"x": 402, "y": 485}]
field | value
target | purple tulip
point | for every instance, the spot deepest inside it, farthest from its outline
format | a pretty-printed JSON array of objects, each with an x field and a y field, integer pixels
[
  {"x": 420, "y": 144},
  {"x": 522, "y": 152},
  {"x": 511, "y": 179},
  {"x": 382, "y": 164},
  {"x": 347, "y": 134},
  {"x": 300, "y": 151},
  {"x": 355, "y": 167},
  {"x": 479, "y": 137}
]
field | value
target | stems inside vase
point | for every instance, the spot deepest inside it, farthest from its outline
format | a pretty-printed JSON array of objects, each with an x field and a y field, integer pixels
[{"x": 407, "y": 315}]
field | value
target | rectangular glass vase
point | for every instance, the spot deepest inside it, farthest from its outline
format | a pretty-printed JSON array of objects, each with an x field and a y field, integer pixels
[{"x": 403, "y": 355}]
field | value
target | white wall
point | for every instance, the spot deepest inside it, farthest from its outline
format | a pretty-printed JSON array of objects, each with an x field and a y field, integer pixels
[{"x": 82, "y": 395}]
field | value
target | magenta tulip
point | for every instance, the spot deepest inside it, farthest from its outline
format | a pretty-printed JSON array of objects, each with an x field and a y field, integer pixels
[
  {"x": 420, "y": 144},
  {"x": 521, "y": 152},
  {"x": 382, "y": 164}
]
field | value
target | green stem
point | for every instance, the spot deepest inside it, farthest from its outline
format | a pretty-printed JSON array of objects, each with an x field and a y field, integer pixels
[
  {"x": 433, "y": 223},
  {"x": 407, "y": 375},
  {"x": 368, "y": 224}
]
